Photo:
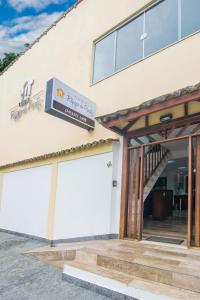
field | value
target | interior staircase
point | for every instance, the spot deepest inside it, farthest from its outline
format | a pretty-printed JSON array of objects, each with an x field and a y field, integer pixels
[
  {"x": 154, "y": 177},
  {"x": 155, "y": 161}
]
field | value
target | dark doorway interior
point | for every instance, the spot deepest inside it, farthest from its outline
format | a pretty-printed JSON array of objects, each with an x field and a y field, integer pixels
[{"x": 165, "y": 212}]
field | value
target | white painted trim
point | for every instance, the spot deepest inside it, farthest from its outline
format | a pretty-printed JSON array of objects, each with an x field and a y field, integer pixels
[
  {"x": 116, "y": 191},
  {"x": 111, "y": 284}
]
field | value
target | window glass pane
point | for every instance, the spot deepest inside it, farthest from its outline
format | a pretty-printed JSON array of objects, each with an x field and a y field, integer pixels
[
  {"x": 161, "y": 26},
  {"x": 129, "y": 45},
  {"x": 104, "y": 57},
  {"x": 190, "y": 17}
]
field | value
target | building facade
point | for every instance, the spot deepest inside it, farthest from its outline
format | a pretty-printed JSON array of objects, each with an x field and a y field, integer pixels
[{"x": 59, "y": 181}]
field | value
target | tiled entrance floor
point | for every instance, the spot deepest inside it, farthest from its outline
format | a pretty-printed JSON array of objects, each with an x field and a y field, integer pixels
[{"x": 174, "y": 227}]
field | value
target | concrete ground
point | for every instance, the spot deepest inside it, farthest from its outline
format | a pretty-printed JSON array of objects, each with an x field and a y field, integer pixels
[{"x": 25, "y": 278}]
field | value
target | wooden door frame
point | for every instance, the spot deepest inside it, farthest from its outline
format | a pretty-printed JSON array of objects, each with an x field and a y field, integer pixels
[
  {"x": 141, "y": 191},
  {"x": 189, "y": 220},
  {"x": 197, "y": 194},
  {"x": 125, "y": 176},
  {"x": 124, "y": 190}
]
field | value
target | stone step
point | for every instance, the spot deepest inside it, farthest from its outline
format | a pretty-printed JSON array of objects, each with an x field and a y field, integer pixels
[
  {"x": 163, "y": 260},
  {"x": 155, "y": 269},
  {"x": 180, "y": 254},
  {"x": 118, "y": 285},
  {"x": 187, "y": 262},
  {"x": 160, "y": 249},
  {"x": 55, "y": 255},
  {"x": 173, "y": 270},
  {"x": 132, "y": 267},
  {"x": 164, "y": 255}
]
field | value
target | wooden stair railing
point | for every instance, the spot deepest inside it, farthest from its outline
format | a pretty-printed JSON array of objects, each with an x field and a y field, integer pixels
[{"x": 152, "y": 158}]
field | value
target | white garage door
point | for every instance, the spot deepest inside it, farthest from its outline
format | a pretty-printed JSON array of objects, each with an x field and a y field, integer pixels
[
  {"x": 83, "y": 204},
  {"x": 25, "y": 201}
]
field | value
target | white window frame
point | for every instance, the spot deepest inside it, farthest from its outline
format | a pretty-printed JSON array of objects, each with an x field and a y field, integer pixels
[{"x": 141, "y": 12}]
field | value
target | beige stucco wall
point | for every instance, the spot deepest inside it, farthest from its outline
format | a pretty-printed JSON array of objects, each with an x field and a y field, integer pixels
[{"x": 66, "y": 53}]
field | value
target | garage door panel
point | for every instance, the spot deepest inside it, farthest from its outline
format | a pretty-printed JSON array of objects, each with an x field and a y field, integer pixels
[
  {"x": 25, "y": 201},
  {"x": 83, "y": 204}
]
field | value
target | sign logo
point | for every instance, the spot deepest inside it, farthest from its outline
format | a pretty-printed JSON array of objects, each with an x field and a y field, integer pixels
[
  {"x": 65, "y": 103},
  {"x": 27, "y": 88},
  {"x": 27, "y": 101},
  {"x": 60, "y": 93}
]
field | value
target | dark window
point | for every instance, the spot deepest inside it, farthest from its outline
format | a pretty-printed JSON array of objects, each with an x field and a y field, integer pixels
[
  {"x": 190, "y": 17},
  {"x": 104, "y": 57},
  {"x": 129, "y": 43},
  {"x": 161, "y": 26},
  {"x": 157, "y": 27}
]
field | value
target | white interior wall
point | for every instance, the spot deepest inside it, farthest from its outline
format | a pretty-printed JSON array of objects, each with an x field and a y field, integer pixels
[
  {"x": 84, "y": 197},
  {"x": 25, "y": 201},
  {"x": 172, "y": 170},
  {"x": 171, "y": 179}
]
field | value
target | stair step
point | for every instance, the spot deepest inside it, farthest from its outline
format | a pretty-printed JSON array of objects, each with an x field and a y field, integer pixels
[
  {"x": 130, "y": 249},
  {"x": 154, "y": 260},
  {"x": 117, "y": 285},
  {"x": 132, "y": 267},
  {"x": 163, "y": 274},
  {"x": 173, "y": 270},
  {"x": 166, "y": 252}
]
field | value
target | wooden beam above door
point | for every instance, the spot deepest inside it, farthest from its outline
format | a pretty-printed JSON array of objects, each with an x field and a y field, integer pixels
[
  {"x": 165, "y": 102},
  {"x": 181, "y": 122}
]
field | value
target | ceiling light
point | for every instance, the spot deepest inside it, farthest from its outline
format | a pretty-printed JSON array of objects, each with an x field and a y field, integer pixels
[
  {"x": 166, "y": 118},
  {"x": 171, "y": 161},
  {"x": 182, "y": 168}
]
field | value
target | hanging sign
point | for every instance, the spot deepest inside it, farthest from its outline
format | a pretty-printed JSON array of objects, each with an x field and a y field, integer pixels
[{"x": 65, "y": 103}]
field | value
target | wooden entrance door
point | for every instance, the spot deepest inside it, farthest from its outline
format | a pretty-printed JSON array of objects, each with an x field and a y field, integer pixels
[
  {"x": 132, "y": 192},
  {"x": 142, "y": 162},
  {"x": 135, "y": 193},
  {"x": 193, "y": 232}
]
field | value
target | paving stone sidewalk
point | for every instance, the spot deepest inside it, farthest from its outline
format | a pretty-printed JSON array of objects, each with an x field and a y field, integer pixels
[{"x": 24, "y": 278}]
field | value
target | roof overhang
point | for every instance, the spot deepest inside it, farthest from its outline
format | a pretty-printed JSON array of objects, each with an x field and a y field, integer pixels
[
  {"x": 184, "y": 104},
  {"x": 58, "y": 154}
]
